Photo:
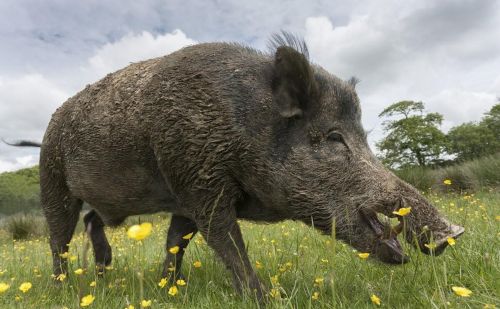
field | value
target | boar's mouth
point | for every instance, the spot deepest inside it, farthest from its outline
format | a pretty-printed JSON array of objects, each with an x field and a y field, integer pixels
[{"x": 386, "y": 247}]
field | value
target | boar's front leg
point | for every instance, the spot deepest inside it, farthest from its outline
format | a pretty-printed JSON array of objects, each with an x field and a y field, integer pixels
[
  {"x": 222, "y": 233},
  {"x": 180, "y": 227}
]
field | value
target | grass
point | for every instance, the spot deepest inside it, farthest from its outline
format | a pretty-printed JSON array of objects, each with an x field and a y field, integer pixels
[
  {"x": 296, "y": 254},
  {"x": 468, "y": 176}
]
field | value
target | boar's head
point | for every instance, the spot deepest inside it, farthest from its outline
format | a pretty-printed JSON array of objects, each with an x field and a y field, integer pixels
[{"x": 330, "y": 177}]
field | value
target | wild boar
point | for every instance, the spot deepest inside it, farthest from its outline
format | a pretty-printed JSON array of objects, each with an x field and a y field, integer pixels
[{"x": 216, "y": 132}]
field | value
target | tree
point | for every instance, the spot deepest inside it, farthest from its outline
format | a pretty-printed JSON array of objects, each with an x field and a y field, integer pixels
[
  {"x": 473, "y": 140},
  {"x": 413, "y": 137}
]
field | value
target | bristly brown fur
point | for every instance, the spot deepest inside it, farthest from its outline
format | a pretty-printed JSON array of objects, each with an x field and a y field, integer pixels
[{"x": 285, "y": 38}]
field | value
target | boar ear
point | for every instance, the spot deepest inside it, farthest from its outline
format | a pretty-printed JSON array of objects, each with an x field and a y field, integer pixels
[{"x": 293, "y": 85}]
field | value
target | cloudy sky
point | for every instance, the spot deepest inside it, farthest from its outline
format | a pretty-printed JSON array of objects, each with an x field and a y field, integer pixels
[{"x": 444, "y": 53}]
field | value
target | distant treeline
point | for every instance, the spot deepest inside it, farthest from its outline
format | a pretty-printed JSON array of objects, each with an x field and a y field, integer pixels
[
  {"x": 19, "y": 191},
  {"x": 413, "y": 137}
]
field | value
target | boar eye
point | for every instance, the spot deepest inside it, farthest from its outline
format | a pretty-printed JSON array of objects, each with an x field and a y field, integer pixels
[{"x": 336, "y": 137}]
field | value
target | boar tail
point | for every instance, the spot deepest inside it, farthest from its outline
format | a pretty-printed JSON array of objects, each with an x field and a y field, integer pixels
[{"x": 23, "y": 143}]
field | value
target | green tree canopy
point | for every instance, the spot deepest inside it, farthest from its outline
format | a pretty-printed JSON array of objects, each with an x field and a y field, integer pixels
[
  {"x": 473, "y": 140},
  {"x": 413, "y": 136}
]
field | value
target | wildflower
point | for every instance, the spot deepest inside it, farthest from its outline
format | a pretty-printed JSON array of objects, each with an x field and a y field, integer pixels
[
  {"x": 130, "y": 307},
  {"x": 25, "y": 287},
  {"x": 403, "y": 211},
  {"x": 315, "y": 296},
  {"x": 87, "y": 300},
  {"x": 145, "y": 303},
  {"x": 319, "y": 281},
  {"x": 197, "y": 264},
  {"x": 363, "y": 256},
  {"x": 162, "y": 283},
  {"x": 258, "y": 265},
  {"x": 174, "y": 250},
  {"x": 4, "y": 287},
  {"x": 497, "y": 218},
  {"x": 489, "y": 306},
  {"x": 92, "y": 284},
  {"x": 275, "y": 279},
  {"x": 431, "y": 245},
  {"x": 447, "y": 182},
  {"x": 64, "y": 255},
  {"x": 140, "y": 232},
  {"x": 181, "y": 282},
  {"x": 73, "y": 258},
  {"x": 374, "y": 298},
  {"x": 324, "y": 261},
  {"x": 61, "y": 277},
  {"x": 173, "y": 290},
  {"x": 188, "y": 236},
  {"x": 17, "y": 298},
  {"x": 274, "y": 293},
  {"x": 461, "y": 291},
  {"x": 451, "y": 241}
]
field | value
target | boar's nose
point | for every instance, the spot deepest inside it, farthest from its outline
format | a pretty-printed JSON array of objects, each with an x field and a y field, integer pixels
[
  {"x": 455, "y": 231},
  {"x": 390, "y": 251}
]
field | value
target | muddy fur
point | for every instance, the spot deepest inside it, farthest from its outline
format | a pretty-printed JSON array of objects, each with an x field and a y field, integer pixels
[{"x": 216, "y": 132}]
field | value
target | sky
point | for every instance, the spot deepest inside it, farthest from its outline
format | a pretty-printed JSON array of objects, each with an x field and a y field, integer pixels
[{"x": 443, "y": 53}]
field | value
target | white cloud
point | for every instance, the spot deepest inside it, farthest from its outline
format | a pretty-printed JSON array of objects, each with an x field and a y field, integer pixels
[
  {"x": 448, "y": 75},
  {"x": 133, "y": 48},
  {"x": 28, "y": 101},
  {"x": 18, "y": 163}
]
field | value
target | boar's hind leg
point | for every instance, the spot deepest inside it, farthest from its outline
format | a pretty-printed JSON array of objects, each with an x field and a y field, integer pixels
[
  {"x": 179, "y": 228},
  {"x": 62, "y": 212},
  {"x": 95, "y": 229},
  {"x": 222, "y": 232}
]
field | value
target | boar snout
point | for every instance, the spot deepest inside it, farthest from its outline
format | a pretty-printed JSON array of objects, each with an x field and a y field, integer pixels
[{"x": 438, "y": 245}]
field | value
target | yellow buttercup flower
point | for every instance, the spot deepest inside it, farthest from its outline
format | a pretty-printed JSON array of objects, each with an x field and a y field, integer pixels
[
  {"x": 363, "y": 256},
  {"x": 87, "y": 300},
  {"x": 315, "y": 296},
  {"x": 174, "y": 250},
  {"x": 61, "y": 277},
  {"x": 197, "y": 264},
  {"x": 275, "y": 279},
  {"x": 4, "y": 287},
  {"x": 181, "y": 282},
  {"x": 92, "y": 284},
  {"x": 25, "y": 287},
  {"x": 162, "y": 283},
  {"x": 79, "y": 271},
  {"x": 319, "y": 280},
  {"x": 374, "y": 298},
  {"x": 431, "y": 245},
  {"x": 447, "y": 182},
  {"x": 130, "y": 307},
  {"x": 140, "y": 232},
  {"x": 451, "y": 241},
  {"x": 275, "y": 293},
  {"x": 145, "y": 303},
  {"x": 403, "y": 211},
  {"x": 461, "y": 291},
  {"x": 258, "y": 265},
  {"x": 173, "y": 290},
  {"x": 188, "y": 236}
]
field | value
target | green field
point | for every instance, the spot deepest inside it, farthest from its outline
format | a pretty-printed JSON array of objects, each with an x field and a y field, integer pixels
[{"x": 293, "y": 261}]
